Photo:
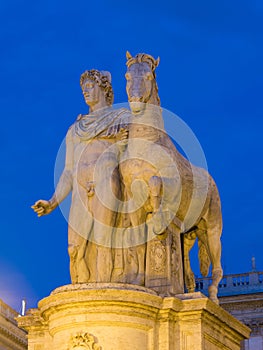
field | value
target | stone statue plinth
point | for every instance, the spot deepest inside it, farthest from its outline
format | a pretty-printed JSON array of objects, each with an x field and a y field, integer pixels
[{"x": 118, "y": 316}]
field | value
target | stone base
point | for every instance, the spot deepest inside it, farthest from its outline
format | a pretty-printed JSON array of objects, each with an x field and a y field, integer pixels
[{"x": 128, "y": 317}]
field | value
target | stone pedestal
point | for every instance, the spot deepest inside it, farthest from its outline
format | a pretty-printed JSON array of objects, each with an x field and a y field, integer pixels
[{"x": 116, "y": 316}]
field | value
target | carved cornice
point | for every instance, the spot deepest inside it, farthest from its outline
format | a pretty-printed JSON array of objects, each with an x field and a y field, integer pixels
[
  {"x": 253, "y": 322},
  {"x": 14, "y": 337},
  {"x": 7, "y": 312},
  {"x": 32, "y": 318},
  {"x": 252, "y": 302}
]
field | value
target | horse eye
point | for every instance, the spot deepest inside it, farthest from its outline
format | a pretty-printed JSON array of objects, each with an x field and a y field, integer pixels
[{"x": 149, "y": 76}]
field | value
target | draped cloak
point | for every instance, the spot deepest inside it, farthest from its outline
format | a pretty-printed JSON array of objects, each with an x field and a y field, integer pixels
[{"x": 101, "y": 125}]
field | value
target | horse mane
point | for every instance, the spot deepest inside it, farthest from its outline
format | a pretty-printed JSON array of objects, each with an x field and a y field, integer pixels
[{"x": 152, "y": 63}]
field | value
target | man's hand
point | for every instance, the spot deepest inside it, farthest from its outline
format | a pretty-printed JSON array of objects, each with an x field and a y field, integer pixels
[
  {"x": 122, "y": 135},
  {"x": 42, "y": 207}
]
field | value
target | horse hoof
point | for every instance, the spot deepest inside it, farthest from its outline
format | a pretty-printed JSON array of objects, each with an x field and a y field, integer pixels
[
  {"x": 214, "y": 300},
  {"x": 212, "y": 290}
]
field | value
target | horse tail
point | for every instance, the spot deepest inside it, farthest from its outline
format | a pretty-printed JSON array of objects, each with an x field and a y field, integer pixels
[{"x": 204, "y": 260}]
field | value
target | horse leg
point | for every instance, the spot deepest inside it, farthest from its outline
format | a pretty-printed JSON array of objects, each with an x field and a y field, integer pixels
[
  {"x": 210, "y": 251},
  {"x": 214, "y": 244},
  {"x": 155, "y": 186},
  {"x": 139, "y": 245},
  {"x": 189, "y": 277},
  {"x": 213, "y": 219},
  {"x": 204, "y": 255}
]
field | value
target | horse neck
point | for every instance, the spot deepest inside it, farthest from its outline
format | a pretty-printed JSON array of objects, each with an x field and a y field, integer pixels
[{"x": 151, "y": 119}]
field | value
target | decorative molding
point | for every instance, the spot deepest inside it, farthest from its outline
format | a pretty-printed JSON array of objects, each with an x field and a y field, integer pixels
[
  {"x": 18, "y": 336},
  {"x": 158, "y": 256},
  {"x": 83, "y": 340}
]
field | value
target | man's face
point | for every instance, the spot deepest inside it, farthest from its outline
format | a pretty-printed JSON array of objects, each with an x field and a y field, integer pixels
[{"x": 92, "y": 92}]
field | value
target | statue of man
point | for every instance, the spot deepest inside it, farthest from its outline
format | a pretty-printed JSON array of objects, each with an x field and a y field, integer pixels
[{"x": 91, "y": 173}]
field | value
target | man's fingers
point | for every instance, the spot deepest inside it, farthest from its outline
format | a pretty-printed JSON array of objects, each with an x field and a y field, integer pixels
[
  {"x": 36, "y": 209},
  {"x": 36, "y": 206},
  {"x": 124, "y": 135},
  {"x": 40, "y": 210}
]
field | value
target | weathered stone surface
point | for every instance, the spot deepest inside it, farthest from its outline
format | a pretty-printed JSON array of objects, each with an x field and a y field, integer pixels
[
  {"x": 117, "y": 316},
  {"x": 104, "y": 245}
]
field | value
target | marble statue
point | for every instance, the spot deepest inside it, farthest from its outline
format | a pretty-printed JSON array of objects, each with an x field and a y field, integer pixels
[
  {"x": 134, "y": 196},
  {"x": 178, "y": 197},
  {"x": 91, "y": 168}
]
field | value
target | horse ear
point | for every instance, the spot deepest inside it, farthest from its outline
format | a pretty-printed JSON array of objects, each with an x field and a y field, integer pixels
[
  {"x": 157, "y": 62},
  {"x": 128, "y": 55}
]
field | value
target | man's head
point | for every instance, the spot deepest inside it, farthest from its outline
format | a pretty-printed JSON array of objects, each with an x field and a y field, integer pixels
[{"x": 96, "y": 87}]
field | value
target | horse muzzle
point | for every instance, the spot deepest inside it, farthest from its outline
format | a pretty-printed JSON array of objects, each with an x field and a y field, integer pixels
[{"x": 136, "y": 105}]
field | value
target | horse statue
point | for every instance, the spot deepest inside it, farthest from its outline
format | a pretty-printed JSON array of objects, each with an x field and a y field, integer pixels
[{"x": 169, "y": 198}]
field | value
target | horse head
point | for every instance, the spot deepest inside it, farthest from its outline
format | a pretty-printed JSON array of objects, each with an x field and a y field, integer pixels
[{"x": 141, "y": 84}]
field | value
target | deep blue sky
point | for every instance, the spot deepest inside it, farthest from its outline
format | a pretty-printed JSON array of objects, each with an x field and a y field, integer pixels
[{"x": 210, "y": 74}]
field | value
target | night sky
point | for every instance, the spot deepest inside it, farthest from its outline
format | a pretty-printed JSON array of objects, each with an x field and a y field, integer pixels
[{"x": 210, "y": 74}]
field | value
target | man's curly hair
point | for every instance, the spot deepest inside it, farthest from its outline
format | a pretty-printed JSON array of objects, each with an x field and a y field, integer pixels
[{"x": 102, "y": 80}]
